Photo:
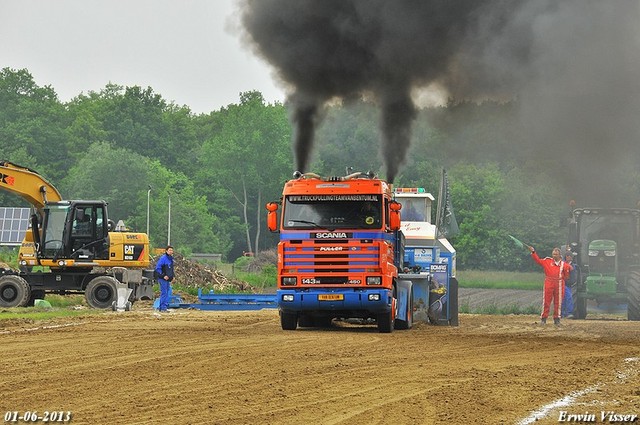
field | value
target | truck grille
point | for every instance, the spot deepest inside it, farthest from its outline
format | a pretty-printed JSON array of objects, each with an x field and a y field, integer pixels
[{"x": 337, "y": 257}]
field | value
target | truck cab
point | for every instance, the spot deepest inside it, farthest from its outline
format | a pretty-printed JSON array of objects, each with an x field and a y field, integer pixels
[{"x": 341, "y": 251}]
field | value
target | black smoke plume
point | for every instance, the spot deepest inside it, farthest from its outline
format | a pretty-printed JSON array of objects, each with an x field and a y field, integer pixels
[{"x": 572, "y": 65}]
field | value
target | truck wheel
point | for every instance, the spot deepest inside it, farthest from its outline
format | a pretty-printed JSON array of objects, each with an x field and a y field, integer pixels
[
  {"x": 288, "y": 321},
  {"x": 453, "y": 302},
  {"x": 14, "y": 291},
  {"x": 633, "y": 296},
  {"x": 101, "y": 292},
  {"x": 385, "y": 322}
]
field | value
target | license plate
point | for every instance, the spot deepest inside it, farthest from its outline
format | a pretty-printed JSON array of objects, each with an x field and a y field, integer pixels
[{"x": 331, "y": 297}]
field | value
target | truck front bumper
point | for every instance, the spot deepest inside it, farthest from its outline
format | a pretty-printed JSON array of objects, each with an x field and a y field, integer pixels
[{"x": 374, "y": 300}]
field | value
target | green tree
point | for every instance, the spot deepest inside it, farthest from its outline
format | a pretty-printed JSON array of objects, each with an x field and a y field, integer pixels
[
  {"x": 122, "y": 178},
  {"x": 244, "y": 164},
  {"x": 348, "y": 137},
  {"x": 139, "y": 120},
  {"x": 32, "y": 124}
]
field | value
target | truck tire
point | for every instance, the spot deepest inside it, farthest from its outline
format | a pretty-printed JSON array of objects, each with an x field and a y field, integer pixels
[
  {"x": 101, "y": 292},
  {"x": 288, "y": 321},
  {"x": 633, "y": 296},
  {"x": 386, "y": 320},
  {"x": 406, "y": 324},
  {"x": 453, "y": 302},
  {"x": 14, "y": 291}
]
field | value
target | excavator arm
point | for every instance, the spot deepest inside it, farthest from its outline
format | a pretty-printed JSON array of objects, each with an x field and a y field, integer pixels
[
  {"x": 27, "y": 184},
  {"x": 37, "y": 191}
]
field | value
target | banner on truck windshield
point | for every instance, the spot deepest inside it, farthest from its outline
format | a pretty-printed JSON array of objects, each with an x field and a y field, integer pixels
[{"x": 333, "y": 198}]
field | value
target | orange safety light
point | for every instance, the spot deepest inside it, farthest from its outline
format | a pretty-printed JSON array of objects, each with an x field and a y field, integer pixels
[{"x": 394, "y": 215}]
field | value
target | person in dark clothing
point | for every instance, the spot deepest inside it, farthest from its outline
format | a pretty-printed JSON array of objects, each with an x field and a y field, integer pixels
[
  {"x": 567, "y": 301},
  {"x": 165, "y": 274}
]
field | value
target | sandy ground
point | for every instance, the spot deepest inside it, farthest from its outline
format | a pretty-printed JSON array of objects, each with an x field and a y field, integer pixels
[{"x": 195, "y": 367}]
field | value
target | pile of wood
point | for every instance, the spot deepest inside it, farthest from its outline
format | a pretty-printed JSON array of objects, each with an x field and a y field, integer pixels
[{"x": 193, "y": 274}]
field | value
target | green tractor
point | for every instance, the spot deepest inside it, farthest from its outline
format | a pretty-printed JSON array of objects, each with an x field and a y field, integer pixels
[{"x": 605, "y": 243}]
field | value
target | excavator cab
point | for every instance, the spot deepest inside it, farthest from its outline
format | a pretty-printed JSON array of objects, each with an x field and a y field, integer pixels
[{"x": 74, "y": 230}]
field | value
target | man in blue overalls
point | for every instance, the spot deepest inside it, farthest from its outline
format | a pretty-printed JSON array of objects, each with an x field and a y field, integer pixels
[
  {"x": 567, "y": 301},
  {"x": 164, "y": 271}
]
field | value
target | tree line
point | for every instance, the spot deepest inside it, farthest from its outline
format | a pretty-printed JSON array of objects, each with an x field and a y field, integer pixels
[{"x": 213, "y": 173}]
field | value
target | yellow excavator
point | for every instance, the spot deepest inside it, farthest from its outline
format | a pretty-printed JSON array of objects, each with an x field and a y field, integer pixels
[{"x": 72, "y": 247}]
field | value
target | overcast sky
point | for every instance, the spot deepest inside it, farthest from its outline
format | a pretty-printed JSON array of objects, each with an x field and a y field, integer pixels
[{"x": 186, "y": 50}]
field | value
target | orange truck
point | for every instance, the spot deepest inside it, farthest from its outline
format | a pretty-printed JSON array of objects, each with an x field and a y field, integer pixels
[{"x": 341, "y": 254}]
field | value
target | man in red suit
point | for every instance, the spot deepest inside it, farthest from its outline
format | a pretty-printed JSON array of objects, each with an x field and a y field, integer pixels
[{"x": 556, "y": 272}]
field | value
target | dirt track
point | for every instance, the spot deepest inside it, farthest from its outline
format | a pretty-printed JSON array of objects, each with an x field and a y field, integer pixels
[{"x": 241, "y": 368}]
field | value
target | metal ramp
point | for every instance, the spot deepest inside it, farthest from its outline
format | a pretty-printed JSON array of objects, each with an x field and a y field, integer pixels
[{"x": 212, "y": 301}]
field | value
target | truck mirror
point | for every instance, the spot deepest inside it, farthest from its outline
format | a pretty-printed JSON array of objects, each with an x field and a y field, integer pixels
[
  {"x": 272, "y": 216},
  {"x": 394, "y": 215}
]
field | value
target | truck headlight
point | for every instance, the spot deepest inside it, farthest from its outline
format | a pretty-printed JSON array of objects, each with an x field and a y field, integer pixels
[
  {"x": 289, "y": 281},
  {"x": 287, "y": 297},
  {"x": 374, "y": 280},
  {"x": 593, "y": 253},
  {"x": 374, "y": 297},
  {"x": 610, "y": 253}
]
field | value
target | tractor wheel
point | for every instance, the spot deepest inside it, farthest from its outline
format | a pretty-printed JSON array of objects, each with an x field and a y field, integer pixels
[
  {"x": 101, "y": 292},
  {"x": 14, "y": 291},
  {"x": 406, "y": 324},
  {"x": 288, "y": 321},
  {"x": 633, "y": 296},
  {"x": 37, "y": 294},
  {"x": 453, "y": 301},
  {"x": 580, "y": 307}
]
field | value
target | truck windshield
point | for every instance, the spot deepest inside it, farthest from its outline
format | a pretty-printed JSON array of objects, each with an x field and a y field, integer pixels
[
  {"x": 54, "y": 229},
  {"x": 413, "y": 209},
  {"x": 332, "y": 212}
]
